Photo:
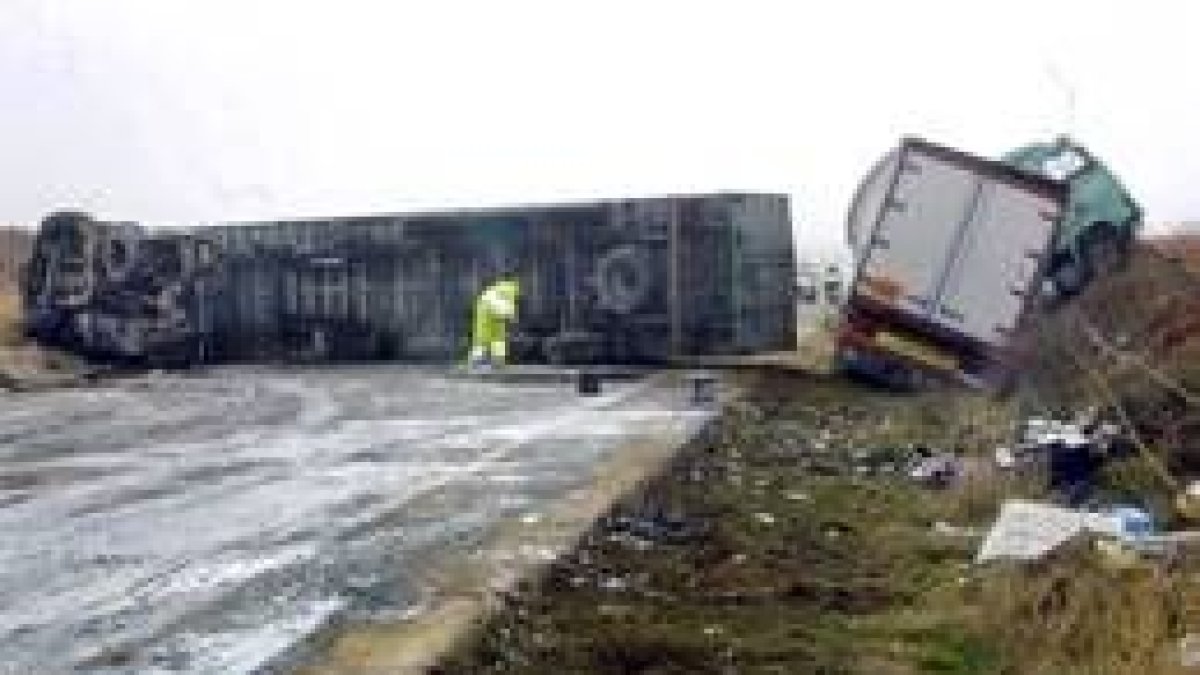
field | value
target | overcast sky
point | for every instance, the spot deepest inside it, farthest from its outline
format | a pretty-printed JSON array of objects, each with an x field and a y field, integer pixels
[{"x": 213, "y": 110}]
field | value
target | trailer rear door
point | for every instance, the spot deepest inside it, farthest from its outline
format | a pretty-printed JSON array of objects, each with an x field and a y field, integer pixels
[
  {"x": 997, "y": 263},
  {"x": 957, "y": 241},
  {"x": 914, "y": 237}
]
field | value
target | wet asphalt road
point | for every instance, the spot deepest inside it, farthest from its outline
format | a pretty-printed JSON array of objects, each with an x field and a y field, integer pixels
[{"x": 211, "y": 523}]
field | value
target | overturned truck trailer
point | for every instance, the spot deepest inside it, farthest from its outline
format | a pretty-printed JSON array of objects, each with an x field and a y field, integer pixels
[{"x": 628, "y": 281}]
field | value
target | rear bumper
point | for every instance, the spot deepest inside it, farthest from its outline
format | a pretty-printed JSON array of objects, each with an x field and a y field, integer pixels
[{"x": 902, "y": 359}]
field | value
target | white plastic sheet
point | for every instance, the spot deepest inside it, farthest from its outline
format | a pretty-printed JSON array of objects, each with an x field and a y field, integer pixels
[{"x": 1029, "y": 530}]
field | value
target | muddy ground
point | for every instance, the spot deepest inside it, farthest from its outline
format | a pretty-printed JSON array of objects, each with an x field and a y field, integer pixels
[
  {"x": 224, "y": 521},
  {"x": 796, "y": 543}
]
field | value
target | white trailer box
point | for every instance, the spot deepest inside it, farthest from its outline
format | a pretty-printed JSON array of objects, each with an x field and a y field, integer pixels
[{"x": 949, "y": 250}]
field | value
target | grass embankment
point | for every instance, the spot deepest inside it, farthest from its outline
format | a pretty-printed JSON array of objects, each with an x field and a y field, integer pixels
[
  {"x": 793, "y": 544},
  {"x": 26, "y": 366},
  {"x": 10, "y": 318},
  {"x": 15, "y": 355}
]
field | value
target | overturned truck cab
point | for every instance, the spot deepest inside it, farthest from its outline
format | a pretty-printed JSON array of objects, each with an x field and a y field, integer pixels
[
  {"x": 622, "y": 281},
  {"x": 114, "y": 292}
]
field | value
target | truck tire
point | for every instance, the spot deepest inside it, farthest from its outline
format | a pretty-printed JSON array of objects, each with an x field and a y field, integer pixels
[
  {"x": 118, "y": 255},
  {"x": 1070, "y": 275},
  {"x": 1106, "y": 249},
  {"x": 623, "y": 279}
]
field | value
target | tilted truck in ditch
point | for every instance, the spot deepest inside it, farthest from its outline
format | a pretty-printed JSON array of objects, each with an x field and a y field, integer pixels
[
  {"x": 621, "y": 281},
  {"x": 951, "y": 250}
]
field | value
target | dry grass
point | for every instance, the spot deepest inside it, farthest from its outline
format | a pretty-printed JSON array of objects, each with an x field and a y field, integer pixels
[
  {"x": 10, "y": 318},
  {"x": 14, "y": 355},
  {"x": 27, "y": 365},
  {"x": 1184, "y": 247},
  {"x": 1073, "y": 614},
  {"x": 815, "y": 348}
]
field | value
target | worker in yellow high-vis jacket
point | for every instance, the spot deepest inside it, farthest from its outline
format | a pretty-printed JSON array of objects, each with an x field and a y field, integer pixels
[{"x": 495, "y": 311}]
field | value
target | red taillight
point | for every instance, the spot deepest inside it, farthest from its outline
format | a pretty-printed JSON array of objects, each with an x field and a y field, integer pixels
[
  {"x": 856, "y": 331},
  {"x": 859, "y": 325}
]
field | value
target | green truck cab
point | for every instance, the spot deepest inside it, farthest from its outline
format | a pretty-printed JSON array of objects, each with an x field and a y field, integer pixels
[{"x": 1101, "y": 220}]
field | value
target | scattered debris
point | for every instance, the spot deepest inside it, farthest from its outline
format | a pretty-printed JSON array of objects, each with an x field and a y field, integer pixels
[
  {"x": 945, "y": 529},
  {"x": 1071, "y": 452},
  {"x": 1187, "y": 503},
  {"x": 843, "y": 541},
  {"x": 631, "y": 541},
  {"x": 1133, "y": 523},
  {"x": 937, "y": 471},
  {"x": 836, "y": 530},
  {"x": 660, "y": 527},
  {"x": 614, "y": 584},
  {"x": 1072, "y": 472},
  {"x": 1030, "y": 530},
  {"x": 1086, "y": 430},
  {"x": 1041, "y": 432},
  {"x": 1005, "y": 459}
]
